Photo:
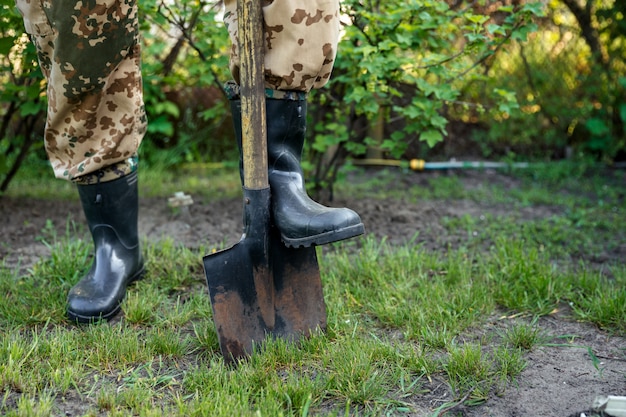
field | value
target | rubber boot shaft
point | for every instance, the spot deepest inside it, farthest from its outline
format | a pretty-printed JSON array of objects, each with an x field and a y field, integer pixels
[
  {"x": 111, "y": 209},
  {"x": 301, "y": 221}
]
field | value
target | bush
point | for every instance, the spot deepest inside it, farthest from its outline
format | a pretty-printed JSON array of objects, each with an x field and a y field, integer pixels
[{"x": 401, "y": 65}]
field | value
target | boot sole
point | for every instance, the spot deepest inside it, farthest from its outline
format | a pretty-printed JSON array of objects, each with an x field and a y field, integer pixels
[
  {"x": 78, "y": 318},
  {"x": 324, "y": 238}
]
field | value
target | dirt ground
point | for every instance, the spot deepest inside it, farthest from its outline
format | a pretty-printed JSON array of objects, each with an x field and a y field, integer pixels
[{"x": 558, "y": 381}]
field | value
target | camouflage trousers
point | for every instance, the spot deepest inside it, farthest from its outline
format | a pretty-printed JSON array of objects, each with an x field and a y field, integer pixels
[
  {"x": 89, "y": 52},
  {"x": 301, "y": 40}
]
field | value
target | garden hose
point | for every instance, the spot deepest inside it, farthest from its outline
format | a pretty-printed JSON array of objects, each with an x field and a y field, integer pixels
[{"x": 421, "y": 165}]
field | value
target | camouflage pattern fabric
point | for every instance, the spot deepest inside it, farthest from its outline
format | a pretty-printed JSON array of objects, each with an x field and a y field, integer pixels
[
  {"x": 89, "y": 52},
  {"x": 233, "y": 92},
  {"x": 109, "y": 172},
  {"x": 301, "y": 40}
]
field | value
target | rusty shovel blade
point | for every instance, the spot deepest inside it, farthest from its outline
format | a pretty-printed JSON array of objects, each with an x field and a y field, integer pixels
[
  {"x": 298, "y": 296},
  {"x": 240, "y": 282},
  {"x": 260, "y": 288}
]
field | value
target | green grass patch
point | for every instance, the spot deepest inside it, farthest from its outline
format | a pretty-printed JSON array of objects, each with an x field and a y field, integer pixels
[{"x": 397, "y": 316}]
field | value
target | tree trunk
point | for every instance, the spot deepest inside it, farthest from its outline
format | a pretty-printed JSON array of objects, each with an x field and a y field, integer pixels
[{"x": 583, "y": 15}]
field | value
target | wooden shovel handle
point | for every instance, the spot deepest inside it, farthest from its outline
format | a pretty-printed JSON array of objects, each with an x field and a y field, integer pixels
[{"x": 252, "y": 90}]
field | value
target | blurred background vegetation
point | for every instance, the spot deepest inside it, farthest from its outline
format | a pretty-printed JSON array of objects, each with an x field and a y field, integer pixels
[{"x": 510, "y": 80}]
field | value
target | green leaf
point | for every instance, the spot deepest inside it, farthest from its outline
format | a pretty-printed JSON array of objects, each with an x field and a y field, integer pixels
[
  {"x": 357, "y": 94},
  {"x": 6, "y": 44},
  {"x": 431, "y": 137},
  {"x": 522, "y": 33},
  {"x": 597, "y": 126},
  {"x": 33, "y": 91},
  {"x": 496, "y": 29},
  {"x": 404, "y": 39},
  {"x": 398, "y": 135},
  {"x": 477, "y": 18},
  {"x": 475, "y": 37},
  {"x": 167, "y": 107},
  {"x": 161, "y": 125},
  {"x": 537, "y": 8},
  {"x": 356, "y": 148},
  {"x": 30, "y": 108},
  {"x": 438, "y": 121}
]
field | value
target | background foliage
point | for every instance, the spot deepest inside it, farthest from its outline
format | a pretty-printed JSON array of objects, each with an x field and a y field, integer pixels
[{"x": 431, "y": 79}]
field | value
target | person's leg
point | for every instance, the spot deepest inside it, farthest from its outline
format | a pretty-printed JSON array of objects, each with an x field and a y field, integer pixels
[
  {"x": 90, "y": 56},
  {"x": 301, "y": 41},
  {"x": 301, "y": 45},
  {"x": 302, "y": 222},
  {"x": 111, "y": 210}
]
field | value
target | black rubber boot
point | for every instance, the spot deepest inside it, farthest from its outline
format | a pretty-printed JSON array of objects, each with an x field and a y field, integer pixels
[
  {"x": 111, "y": 209},
  {"x": 300, "y": 220}
]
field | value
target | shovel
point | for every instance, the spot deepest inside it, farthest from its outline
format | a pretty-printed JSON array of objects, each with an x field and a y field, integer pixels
[{"x": 260, "y": 288}]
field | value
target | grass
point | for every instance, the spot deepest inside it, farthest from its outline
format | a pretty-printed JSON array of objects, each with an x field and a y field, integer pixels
[{"x": 401, "y": 319}]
